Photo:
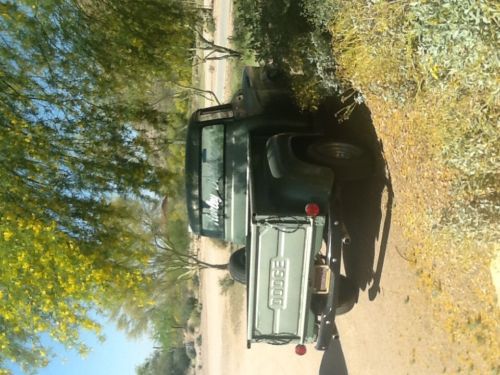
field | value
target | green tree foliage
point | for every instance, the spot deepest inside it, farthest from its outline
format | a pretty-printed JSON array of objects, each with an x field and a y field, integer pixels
[
  {"x": 68, "y": 131},
  {"x": 274, "y": 27},
  {"x": 172, "y": 362},
  {"x": 167, "y": 265},
  {"x": 293, "y": 35},
  {"x": 48, "y": 284},
  {"x": 137, "y": 36},
  {"x": 79, "y": 145}
]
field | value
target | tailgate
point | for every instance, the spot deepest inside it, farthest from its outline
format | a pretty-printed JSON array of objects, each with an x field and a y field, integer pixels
[{"x": 279, "y": 268}]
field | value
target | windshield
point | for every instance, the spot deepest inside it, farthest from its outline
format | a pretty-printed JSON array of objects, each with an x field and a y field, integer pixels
[{"x": 212, "y": 180}]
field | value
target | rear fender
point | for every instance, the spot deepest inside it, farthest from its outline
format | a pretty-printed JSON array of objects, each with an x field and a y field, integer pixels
[{"x": 301, "y": 179}]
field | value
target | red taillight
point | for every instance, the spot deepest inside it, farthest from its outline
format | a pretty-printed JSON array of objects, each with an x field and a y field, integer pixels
[
  {"x": 312, "y": 209},
  {"x": 300, "y": 349}
]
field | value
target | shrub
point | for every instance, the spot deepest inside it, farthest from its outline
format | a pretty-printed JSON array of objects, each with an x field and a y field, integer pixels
[
  {"x": 429, "y": 73},
  {"x": 293, "y": 35}
]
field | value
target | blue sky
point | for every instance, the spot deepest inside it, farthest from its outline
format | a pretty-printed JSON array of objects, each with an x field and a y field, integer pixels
[{"x": 117, "y": 355}]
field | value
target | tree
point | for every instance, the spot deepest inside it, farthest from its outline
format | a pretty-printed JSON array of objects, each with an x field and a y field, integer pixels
[
  {"x": 294, "y": 36},
  {"x": 213, "y": 51},
  {"x": 169, "y": 262},
  {"x": 161, "y": 362},
  {"x": 77, "y": 155},
  {"x": 186, "y": 261},
  {"x": 48, "y": 284},
  {"x": 68, "y": 130}
]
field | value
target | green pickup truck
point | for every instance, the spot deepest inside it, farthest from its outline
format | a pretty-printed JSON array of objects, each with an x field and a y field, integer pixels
[{"x": 260, "y": 176}]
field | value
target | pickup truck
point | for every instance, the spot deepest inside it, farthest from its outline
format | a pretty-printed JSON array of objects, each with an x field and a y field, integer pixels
[{"x": 262, "y": 177}]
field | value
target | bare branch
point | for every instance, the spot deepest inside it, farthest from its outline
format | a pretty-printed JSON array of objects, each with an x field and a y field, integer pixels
[
  {"x": 210, "y": 45},
  {"x": 180, "y": 260}
]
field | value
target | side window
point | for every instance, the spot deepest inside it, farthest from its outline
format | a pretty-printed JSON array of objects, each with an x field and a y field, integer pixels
[{"x": 212, "y": 180}]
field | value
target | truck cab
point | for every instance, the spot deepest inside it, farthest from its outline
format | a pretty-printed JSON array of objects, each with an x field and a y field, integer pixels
[{"x": 258, "y": 175}]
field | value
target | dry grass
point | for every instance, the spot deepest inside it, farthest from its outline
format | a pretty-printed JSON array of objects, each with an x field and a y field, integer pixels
[
  {"x": 453, "y": 269},
  {"x": 439, "y": 127}
]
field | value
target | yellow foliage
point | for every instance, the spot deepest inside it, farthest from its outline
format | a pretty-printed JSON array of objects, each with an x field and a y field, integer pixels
[
  {"x": 7, "y": 235},
  {"x": 417, "y": 113},
  {"x": 52, "y": 284}
]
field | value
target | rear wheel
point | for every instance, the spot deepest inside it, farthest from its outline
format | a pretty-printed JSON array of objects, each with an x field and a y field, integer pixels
[
  {"x": 349, "y": 162},
  {"x": 348, "y": 294},
  {"x": 237, "y": 266}
]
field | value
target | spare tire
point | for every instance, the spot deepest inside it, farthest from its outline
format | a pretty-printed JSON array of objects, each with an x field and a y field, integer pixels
[{"x": 237, "y": 266}]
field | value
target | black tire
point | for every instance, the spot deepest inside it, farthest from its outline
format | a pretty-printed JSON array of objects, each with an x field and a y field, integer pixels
[
  {"x": 349, "y": 162},
  {"x": 348, "y": 295},
  {"x": 237, "y": 266}
]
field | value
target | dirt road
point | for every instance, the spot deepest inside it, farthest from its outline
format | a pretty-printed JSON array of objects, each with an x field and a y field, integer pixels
[
  {"x": 390, "y": 332},
  {"x": 216, "y": 71}
]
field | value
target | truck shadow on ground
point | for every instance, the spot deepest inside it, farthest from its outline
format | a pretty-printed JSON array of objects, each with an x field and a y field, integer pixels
[
  {"x": 366, "y": 204},
  {"x": 333, "y": 362},
  {"x": 367, "y": 209}
]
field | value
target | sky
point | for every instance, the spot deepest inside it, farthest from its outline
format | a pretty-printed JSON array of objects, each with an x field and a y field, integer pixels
[{"x": 117, "y": 355}]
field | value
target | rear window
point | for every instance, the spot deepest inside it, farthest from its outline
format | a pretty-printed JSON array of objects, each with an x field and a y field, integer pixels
[
  {"x": 212, "y": 180},
  {"x": 215, "y": 113}
]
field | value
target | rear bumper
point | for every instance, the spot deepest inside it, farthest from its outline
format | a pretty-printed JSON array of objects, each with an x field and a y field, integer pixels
[{"x": 337, "y": 237}]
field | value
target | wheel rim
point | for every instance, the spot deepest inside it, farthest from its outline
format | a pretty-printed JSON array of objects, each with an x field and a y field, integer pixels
[{"x": 342, "y": 151}]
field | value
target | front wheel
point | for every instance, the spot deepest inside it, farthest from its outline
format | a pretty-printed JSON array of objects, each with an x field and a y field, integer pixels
[{"x": 349, "y": 162}]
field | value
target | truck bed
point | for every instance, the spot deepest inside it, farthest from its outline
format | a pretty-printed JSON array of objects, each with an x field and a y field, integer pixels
[{"x": 280, "y": 255}]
